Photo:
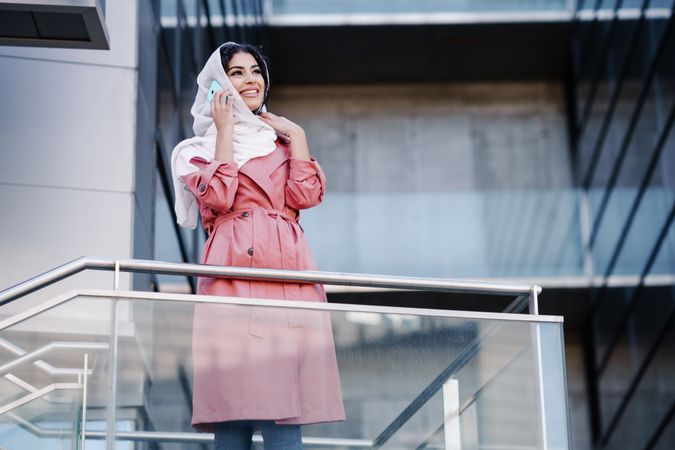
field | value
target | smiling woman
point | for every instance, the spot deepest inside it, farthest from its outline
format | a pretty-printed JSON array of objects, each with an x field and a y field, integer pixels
[{"x": 248, "y": 173}]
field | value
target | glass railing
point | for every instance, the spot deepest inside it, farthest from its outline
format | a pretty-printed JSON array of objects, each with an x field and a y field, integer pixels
[
  {"x": 409, "y": 378},
  {"x": 50, "y": 364}
]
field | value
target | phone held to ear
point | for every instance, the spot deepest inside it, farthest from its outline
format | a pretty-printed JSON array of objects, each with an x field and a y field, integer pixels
[{"x": 215, "y": 87}]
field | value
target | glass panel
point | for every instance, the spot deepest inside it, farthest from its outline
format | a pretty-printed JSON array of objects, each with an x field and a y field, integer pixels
[
  {"x": 168, "y": 8},
  {"x": 639, "y": 153},
  {"x": 652, "y": 310},
  {"x": 398, "y": 6},
  {"x": 667, "y": 437},
  {"x": 41, "y": 426},
  {"x": 595, "y": 35},
  {"x": 458, "y": 233},
  {"x": 654, "y": 396},
  {"x": 605, "y": 89},
  {"x": 60, "y": 338},
  {"x": 386, "y": 360},
  {"x": 658, "y": 199},
  {"x": 652, "y": 4}
]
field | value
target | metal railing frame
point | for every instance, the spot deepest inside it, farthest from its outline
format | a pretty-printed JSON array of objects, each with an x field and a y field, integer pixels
[
  {"x": 246, "y": 273},
  {"x": 527, "y": 296},
  {"x": 151, "y": 436}
]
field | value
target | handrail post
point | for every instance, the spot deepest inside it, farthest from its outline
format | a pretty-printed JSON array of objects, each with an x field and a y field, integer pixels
[
  {"x": 537, "y": 357},
  {"x": 116, "y": 276},
  {"x": 451, "y": 415},
  {"x": 111, "y": 418},
  {"x": 83, "y": 425},
  {"x": 534, "y": 300}
]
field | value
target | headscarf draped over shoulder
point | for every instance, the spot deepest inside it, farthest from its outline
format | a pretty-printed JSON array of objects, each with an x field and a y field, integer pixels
[{"x": 251, "y": 136}]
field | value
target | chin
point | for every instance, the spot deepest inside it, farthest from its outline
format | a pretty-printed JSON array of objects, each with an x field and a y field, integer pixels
[{"x": 253, "y": 107}]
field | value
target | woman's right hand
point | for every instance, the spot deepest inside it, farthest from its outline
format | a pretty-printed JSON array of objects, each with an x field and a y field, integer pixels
[{"x": 222, "y": 111}]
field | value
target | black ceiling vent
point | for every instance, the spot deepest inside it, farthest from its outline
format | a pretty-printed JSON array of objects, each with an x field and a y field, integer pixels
[{"x": 54, "y": 23}]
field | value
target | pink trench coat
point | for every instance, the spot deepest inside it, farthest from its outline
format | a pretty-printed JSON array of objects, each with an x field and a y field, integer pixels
[{"x": 261, "y": 362}]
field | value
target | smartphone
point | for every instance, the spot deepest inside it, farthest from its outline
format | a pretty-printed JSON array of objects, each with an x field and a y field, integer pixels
[{"x": 215, "y": 87}]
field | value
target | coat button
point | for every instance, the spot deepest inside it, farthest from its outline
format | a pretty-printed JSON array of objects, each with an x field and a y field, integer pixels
[
  {"x": 202, "y": 187},
  {"x": 244, "y": 214},
  {"x": 250, "y": 251}
]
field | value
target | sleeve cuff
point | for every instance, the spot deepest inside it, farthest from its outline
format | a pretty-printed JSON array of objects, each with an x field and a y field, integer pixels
[
  {"x": 226, "y": 168},
  {"x": 206, "y": 172},
  {"x": 301, "y": 169}
]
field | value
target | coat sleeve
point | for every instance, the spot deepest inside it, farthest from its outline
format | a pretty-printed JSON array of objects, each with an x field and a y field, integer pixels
[
  {"x": 214, "y": 183},
  {"x": 306, "y": 184}
]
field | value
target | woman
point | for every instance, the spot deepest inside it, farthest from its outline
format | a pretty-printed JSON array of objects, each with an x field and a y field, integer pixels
[{"x": 248, "y": 172}]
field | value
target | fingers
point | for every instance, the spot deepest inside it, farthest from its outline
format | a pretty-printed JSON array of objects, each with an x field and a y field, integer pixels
[
  {"x": 221, "y": 108},
  {"x": 222, "y": 101},
  {"x": 225, "y": 97}
]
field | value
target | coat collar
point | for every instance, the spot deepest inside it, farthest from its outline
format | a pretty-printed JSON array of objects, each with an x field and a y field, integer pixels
[{"x": 260, "y": 169}]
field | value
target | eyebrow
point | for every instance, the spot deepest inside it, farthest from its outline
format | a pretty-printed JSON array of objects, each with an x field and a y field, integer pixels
[{"x": 242, "y": 67}]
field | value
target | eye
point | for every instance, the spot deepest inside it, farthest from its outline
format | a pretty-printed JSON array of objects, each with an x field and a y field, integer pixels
[
  {"x": 257, "y": 71},
  {"x": 235, "y": 72}
]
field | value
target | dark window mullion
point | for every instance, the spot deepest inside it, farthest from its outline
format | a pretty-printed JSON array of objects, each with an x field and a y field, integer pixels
[
  {"x": 211, "y": 32},
  {"x": 166, "y": 188}
]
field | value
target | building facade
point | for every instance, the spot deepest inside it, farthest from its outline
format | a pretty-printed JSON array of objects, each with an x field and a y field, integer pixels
[{"x": 492, "y": 140}]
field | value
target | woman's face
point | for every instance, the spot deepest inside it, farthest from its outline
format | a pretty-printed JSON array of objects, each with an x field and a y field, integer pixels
[{"x": 246, "y": 77}]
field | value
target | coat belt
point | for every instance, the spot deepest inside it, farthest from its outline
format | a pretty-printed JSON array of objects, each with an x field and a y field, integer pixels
[{"x": 240, "y": 213}]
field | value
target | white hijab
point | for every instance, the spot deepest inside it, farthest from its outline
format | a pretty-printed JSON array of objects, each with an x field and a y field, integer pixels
[{"x": 251, "y": 137}]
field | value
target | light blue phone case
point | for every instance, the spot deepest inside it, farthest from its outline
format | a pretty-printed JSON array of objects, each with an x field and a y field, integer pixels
[{"x": 215, "y": 87}]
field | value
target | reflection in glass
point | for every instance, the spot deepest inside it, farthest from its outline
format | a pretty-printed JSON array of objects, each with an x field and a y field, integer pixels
[
  {"x": 41, "y": 396},
  {"x": 386, "y": 360}
]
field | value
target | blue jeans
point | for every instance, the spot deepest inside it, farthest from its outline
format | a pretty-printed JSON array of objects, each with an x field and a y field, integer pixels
[{"x": 237, "y": 434}]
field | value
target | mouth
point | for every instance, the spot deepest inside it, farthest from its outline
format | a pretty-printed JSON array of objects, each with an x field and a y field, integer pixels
[{"x": 250, "y": 93}]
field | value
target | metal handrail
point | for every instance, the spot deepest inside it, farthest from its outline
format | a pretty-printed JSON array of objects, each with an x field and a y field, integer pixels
[{"x": 246, "y": 273}]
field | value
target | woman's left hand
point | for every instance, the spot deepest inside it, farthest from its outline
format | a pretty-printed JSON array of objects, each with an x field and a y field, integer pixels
[
  {"x": 290, "y": 133},
  {"x": 282, "y": 125}
]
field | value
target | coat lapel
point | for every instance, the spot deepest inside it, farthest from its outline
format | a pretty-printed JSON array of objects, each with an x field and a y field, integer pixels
[{"x": 260, "y": 170}]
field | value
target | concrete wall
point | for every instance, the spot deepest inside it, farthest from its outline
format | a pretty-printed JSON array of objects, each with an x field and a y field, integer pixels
[
  {"x": 70, "y": 166},
  {"x": 473, "y": 168}
]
